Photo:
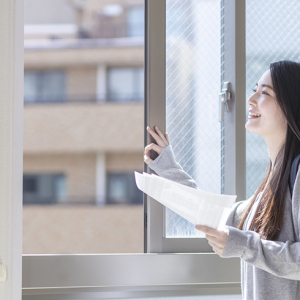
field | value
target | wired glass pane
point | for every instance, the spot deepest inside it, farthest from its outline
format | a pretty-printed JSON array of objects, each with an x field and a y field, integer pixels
[
  {"x": 193, "y": 80},
  {"x": 266, "y": 42}
]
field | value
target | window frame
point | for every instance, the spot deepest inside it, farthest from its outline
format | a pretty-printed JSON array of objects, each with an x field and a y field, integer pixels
[
  {"x": 81, "y": 276},
  {"x": 129, "y": 22},
  {"x": 37, "y": 176},
  {"x": 41, "y": 77},
  {"x": 11, "y": 154},
  {"x": 128, "y": 176},
  {"x": 234, "y": 128},
  {"x": 132, "y": 99}
]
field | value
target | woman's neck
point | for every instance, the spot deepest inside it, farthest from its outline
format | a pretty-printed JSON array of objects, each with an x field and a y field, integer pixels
[{"x": 273, "y": 149}]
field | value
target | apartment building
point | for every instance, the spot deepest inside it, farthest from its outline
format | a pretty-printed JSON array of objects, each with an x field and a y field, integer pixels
[{"x": 83, "y": 126}]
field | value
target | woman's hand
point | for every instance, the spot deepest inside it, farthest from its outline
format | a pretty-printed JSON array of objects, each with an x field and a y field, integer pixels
[
  {"x": 161, "y": 140},
  {"x": 216, "y": 238}
]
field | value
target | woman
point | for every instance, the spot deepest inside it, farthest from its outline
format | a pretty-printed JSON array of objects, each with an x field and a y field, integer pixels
[{"x": 264, "y": 231}]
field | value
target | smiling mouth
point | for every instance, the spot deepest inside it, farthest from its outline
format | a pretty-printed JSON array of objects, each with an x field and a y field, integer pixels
[{"x": 253, "y": 115}]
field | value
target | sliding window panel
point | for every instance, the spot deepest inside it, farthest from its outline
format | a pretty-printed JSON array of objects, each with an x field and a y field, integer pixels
[{"x": 192, "y": 48}]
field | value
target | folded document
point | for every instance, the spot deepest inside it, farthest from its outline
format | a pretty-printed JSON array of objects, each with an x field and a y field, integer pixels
[{"x": 195, "y": 205}]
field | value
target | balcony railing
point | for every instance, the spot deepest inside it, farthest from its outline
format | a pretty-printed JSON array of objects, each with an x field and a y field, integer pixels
[
  {"x": 84, "y": 98},
  {"x": 100, "y": 29},
  {"x": 105, "y": 28},
  {"x": 80, "y": 200}
]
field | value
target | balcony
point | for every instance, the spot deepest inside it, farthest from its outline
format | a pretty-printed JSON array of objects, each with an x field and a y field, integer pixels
[{"x": 76, "y": 52}]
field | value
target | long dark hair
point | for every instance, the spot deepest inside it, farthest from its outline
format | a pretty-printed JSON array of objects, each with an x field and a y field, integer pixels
[{"x": 268, "y": 219}]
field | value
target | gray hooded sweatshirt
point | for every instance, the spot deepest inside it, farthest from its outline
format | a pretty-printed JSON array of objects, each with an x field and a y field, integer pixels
[{"x": 270, "y": 270}]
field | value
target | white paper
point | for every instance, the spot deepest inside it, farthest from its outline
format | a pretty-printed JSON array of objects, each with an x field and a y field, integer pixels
[{"x": 197, "y": 206}]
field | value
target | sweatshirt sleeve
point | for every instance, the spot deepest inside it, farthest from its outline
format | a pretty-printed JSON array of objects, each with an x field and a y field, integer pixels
[
  {"x": 235, "y": 214},
  {"x": 281, "y": 259},
  {"x": 166, "y": 166}
]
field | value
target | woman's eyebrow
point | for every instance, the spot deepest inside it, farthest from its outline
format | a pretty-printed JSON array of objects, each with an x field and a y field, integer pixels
[{"x": 266, "y": 85}]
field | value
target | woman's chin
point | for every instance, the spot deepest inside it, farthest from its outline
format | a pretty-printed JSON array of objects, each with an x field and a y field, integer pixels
[{"x": 251, "y": 128}]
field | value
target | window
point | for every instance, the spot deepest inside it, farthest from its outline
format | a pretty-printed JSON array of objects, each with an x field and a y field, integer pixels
[
  {"x": 44, "y": 86},
  {"x": 44, "y": 274},
  {"x": 122, "y": 189},
  {"x": 135, "y": 21},
  {"x": 43, "y": 188},
  {"x": 125, "y": 84},
  {"x": 188, "y": 65}
]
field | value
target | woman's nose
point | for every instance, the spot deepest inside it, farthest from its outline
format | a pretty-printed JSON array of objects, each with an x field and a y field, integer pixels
[{"x": 251, "y": 101}]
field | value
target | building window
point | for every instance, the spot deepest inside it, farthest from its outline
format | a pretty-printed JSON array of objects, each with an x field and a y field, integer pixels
[
  {"x": 125, "y": 84},
  {"x": 44, "y": 86},
  {"x": 122, "y": 189},
  {"x": 43, "y": 188},
  {"x": 135, "y": 21}
]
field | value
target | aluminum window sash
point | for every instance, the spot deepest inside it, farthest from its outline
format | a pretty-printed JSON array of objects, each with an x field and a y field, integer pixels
[
  {"x": 234, "y": 67},
  {"x": 130, "y": 293},
  {"x": 101, "y": 274},
  {"x": 155, "y": 109},
  {"x": 235, "y": 73}
]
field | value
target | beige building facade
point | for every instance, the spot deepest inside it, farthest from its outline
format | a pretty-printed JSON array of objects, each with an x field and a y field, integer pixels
[{"x": 83, "y": 128}]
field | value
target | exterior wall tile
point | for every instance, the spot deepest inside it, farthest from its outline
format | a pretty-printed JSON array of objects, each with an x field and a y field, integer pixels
[
  {"x": 81, "y": 82},
  {"x": 82, "y": 128},
  {"x": 120, "y": 162},
  {"x": 82, "y": 229}
]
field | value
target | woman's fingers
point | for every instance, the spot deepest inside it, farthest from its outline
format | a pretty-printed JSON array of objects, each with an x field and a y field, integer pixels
[
  {"x": 147, "y": 159},
  {"x": 214, "y": 245},
  {"x": 161, "y": 141},
  {"x": 167, "y": 137},
  {"x": 214, "y": 240},
  {"x": 207, "y": 230},
  {"x": 157, "y": 138},
  {"x": 161, "y": 135},
  {"x": 154, "y": 147}
]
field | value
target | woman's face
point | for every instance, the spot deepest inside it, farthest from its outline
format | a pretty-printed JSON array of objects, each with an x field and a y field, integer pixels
[{"x": 272, "y": 122}]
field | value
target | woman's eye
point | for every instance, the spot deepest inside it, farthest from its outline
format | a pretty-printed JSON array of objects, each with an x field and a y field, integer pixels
[{"x": 262, "y": 91}]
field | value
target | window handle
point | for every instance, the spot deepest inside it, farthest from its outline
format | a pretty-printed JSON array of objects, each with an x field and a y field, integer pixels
[
  {"x": 3, "y": 273},
  {"x": 224, "y": 97}
]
